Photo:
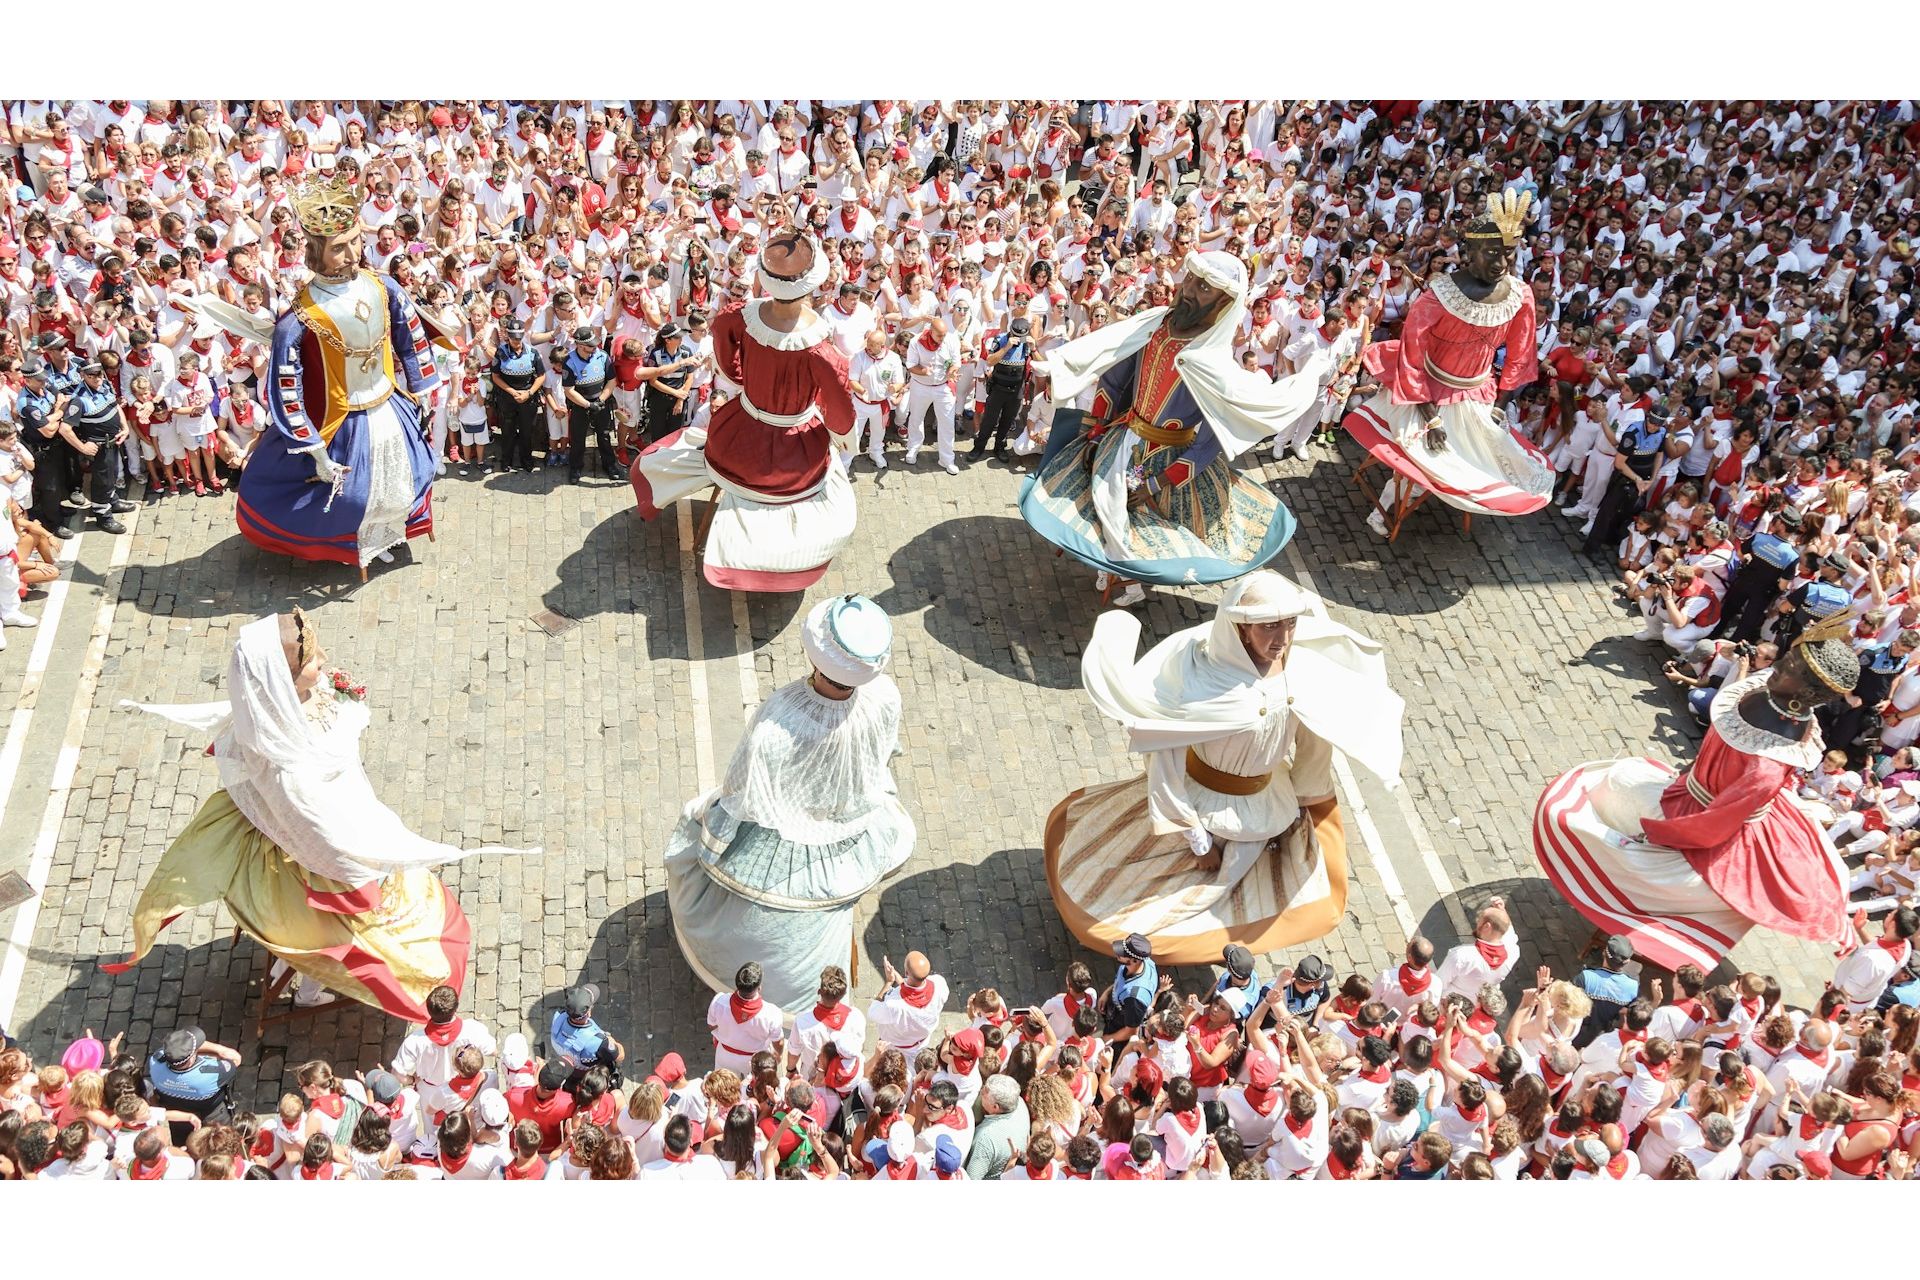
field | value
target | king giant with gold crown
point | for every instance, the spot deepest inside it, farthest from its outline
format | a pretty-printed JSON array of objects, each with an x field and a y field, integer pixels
[{"x": 344, "y": 472}]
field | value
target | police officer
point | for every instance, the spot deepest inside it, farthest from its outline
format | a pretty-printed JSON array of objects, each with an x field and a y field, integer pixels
[
  {"x": 670, "y": 367},
  {"x": 1640, "y": 447},
  {"x": 1007, "y": 357},
  {"x": 517, "y": 380},
  {"x": 38, "y": 411},
  {"x": 94, "y": 428},
  {"x": 587, "y": 375},
  {"x": 1610, "y": 988},
  {"x": 190, "y": 1073},
  {"x": 63, "y": 379},
  {"x": 1844, "y": 721}
]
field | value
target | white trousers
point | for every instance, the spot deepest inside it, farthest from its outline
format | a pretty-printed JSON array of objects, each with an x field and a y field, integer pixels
[
  {"x": 1680, "y": 639},
  {"x": 1593, "y": 486},
  {"x": 940, "y": 399},
  {"x": 869, "y": 420}
]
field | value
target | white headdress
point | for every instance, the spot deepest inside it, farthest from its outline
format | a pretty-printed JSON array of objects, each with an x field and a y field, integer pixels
[{"x": 849, "y": 638}]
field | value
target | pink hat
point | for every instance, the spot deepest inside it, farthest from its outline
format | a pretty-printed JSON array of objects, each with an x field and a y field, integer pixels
[{"x": 84, "y": 1054}]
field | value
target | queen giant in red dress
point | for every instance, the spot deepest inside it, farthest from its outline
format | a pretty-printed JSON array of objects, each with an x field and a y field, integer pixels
[
  {"x": 785, "y": 507},
  {"x": 1685, "y": 863}
]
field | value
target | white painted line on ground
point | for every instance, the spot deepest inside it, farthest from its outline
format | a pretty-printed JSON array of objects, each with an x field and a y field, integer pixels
[
  {"x": 1355, "y": 804},
  {"x": 696, "y": 647},
  {"x": 1431, "y": 860},
  {"x": 743, "y": 649},
  {"x": 43, "y": 640},
  {"x": 14, "y": 968}
]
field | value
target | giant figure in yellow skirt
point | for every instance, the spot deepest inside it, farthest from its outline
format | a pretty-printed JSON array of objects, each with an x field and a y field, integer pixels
[{"x": 303, "y": 855}]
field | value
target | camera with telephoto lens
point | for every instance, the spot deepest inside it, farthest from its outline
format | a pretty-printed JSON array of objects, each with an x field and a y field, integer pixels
[
  {"x": 1744, "y": 649},
  {"x": 1658, "y": 580}
]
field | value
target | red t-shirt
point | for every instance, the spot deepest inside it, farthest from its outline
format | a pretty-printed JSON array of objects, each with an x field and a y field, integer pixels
[
  {"x": 525, "y": 1104},
  {"x": 533, "y": 1172}
]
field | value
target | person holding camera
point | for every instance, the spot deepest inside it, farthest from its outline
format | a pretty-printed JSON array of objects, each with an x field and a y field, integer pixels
[
  {"x": 1640, "y": 449},
  {"x": 1679, "y": 606}
]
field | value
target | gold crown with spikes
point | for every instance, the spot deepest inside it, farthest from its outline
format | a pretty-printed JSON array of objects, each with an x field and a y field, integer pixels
[
  {"x": 326, "y": 205},
  {"x": 1508, "y": 213}
]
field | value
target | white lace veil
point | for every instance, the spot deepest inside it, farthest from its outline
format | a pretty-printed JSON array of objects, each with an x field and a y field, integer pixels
[
  {"x": 813, "y": 769},
  {"x": 303, "y": 787}
]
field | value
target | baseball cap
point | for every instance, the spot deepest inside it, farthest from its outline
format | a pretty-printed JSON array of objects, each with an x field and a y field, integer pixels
[
  {"x": 514, "y": 1054},
  {"x": 946, "y": 1156},
  {"x": 491, "y": 1108},
  {"x": 94, "y": 195},
  {"x": 1135, "y": 946},
  {"x": 581, "y": 999},
  {"x": 899, "y": 1140},
  {"x": 1261, "y": 1073},
  {"x": 1239, "y": 960},
  {"x": 582, "y": 334},
  {"x": 671, "y": 1070},
  {"x": 553, "y": 1074},
  {"x": 180, "y": 1046},
  {"x": 1312, "y": 969},
  {"x": 1592, "y": 1149},
  {"x": 383, "y": 1085},
  {"x": 1619, "y": 950},
  {"x": 1816, "y": 1163},
  {"x": 440, "y": 116}
]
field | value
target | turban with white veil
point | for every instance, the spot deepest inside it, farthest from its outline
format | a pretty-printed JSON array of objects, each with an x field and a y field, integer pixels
[{"x": 1242, "y": 406}]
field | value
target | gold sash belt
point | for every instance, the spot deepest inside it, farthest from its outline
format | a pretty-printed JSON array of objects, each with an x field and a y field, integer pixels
[
  {"x": 1178, "y": 437},
  {"x": 1453, "y": 380},
  {"x": 1699, "y": 792},
  {"x": 1227, "y": 784}
]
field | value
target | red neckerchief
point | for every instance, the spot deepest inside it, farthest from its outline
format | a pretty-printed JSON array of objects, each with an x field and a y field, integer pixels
[
  {"x": 1690, "y": 1007},
  {"x": 1632, "y": 1037},
  {"x": 332, "y": 1105},
  {"x": 1898, "y": 948},
  {"x": 1343, "y": 1005},
  {"x": 1298, "y": 1128},
  {"x": 1415, "y": 981},
  {"x": 683, "y": 1157},
  {"x": 842, "y": 1072},
  {"x": 1379, "y": 1074},
  {"x": 1750, "y": 1003},
  {"x": 1338, "y": 1169},
  {"x": 1617, "y": 1167},
  {"x": 443, "y": 1033},
  {"x": 1188, "y": 1120},
  {"x": 744, "y": 1010},
  {"x": 534, "y": 1172},
  {"x": 1817, "y": 1059},
  {"x": 1494, "y": 953},
  {"x": 951, "y": 1118},
  {"x": 919, "y": 997},
  {"x": 1263, "y": 1101},
  {"x": 1554, "y": 1079},
  {"x": 999, "y": 1020},
  {"x": 931, "y": 346},
  {"x": 907, "y": 1170},
  {"x": 1473, "y": 1116},
  {"x": 1809, "y": 1128},
  {"x": 139, "y": 1172},
  {"x": 1657, "y": 1072},
  {"x": 834, "y": 1016},
  {"x": 1481, "y": 1022},
  {"x": 1042, "y": 1172},
  {"x": 326, "y": 1172},
  {"x": 454, "y": 1164}
]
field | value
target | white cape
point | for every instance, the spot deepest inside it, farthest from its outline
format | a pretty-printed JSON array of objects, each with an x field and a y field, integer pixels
[
  {"x": 1180, "y": 694},
  {"x": 1242, "y": 407},
  {"x": 302, "y": 788}
]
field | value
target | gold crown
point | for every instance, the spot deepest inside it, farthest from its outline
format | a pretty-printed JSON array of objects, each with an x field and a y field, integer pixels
[
  {"x": 326, "y": 205},
  {"x": 1508, "y": 211}
]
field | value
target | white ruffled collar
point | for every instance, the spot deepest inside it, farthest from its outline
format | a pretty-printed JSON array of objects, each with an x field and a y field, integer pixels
[
  {"x": 1803, "y": 752},
  {"x": 1498, "y": 307},
  {"x": 811, "y": 335}
]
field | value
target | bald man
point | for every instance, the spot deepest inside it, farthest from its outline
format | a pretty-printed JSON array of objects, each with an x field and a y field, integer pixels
[
  {"x": 1486, "y": 958},
  {"x": 878, "y": 380},
  {"x": 907, "y": 1011},
  {"x": 1809, "y": 1063}
]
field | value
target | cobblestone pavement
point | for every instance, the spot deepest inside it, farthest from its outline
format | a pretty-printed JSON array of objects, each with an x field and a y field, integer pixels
[{"x": 486, "y": 729}]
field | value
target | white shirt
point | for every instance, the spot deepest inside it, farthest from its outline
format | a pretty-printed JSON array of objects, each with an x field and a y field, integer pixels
[
  {"x": 810, "y": 1035},
  {"x": 1389, "y": 992},
  {"x": 431, "y": 1065},
  {"x": 1864, "y": 974},
  {"x": 762, "y": 1030},
  {"x": 701, "y": 1168},
  {"x": 850, "y": 330},
  {"x": 900, "y": 1025},
  {"x": 878, "y": 378},
  {"x": 1465, "y": 970}
]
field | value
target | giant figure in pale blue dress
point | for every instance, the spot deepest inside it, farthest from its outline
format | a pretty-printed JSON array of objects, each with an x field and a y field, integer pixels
[
  {"x": 340, "y": 354},
  {"x": 771, "y": 865}
]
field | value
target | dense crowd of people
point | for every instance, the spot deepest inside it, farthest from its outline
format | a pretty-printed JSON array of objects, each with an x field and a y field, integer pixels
[
  {"x": 1420, "y": 1072},
  {"x": 1725, "y": 294}
]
